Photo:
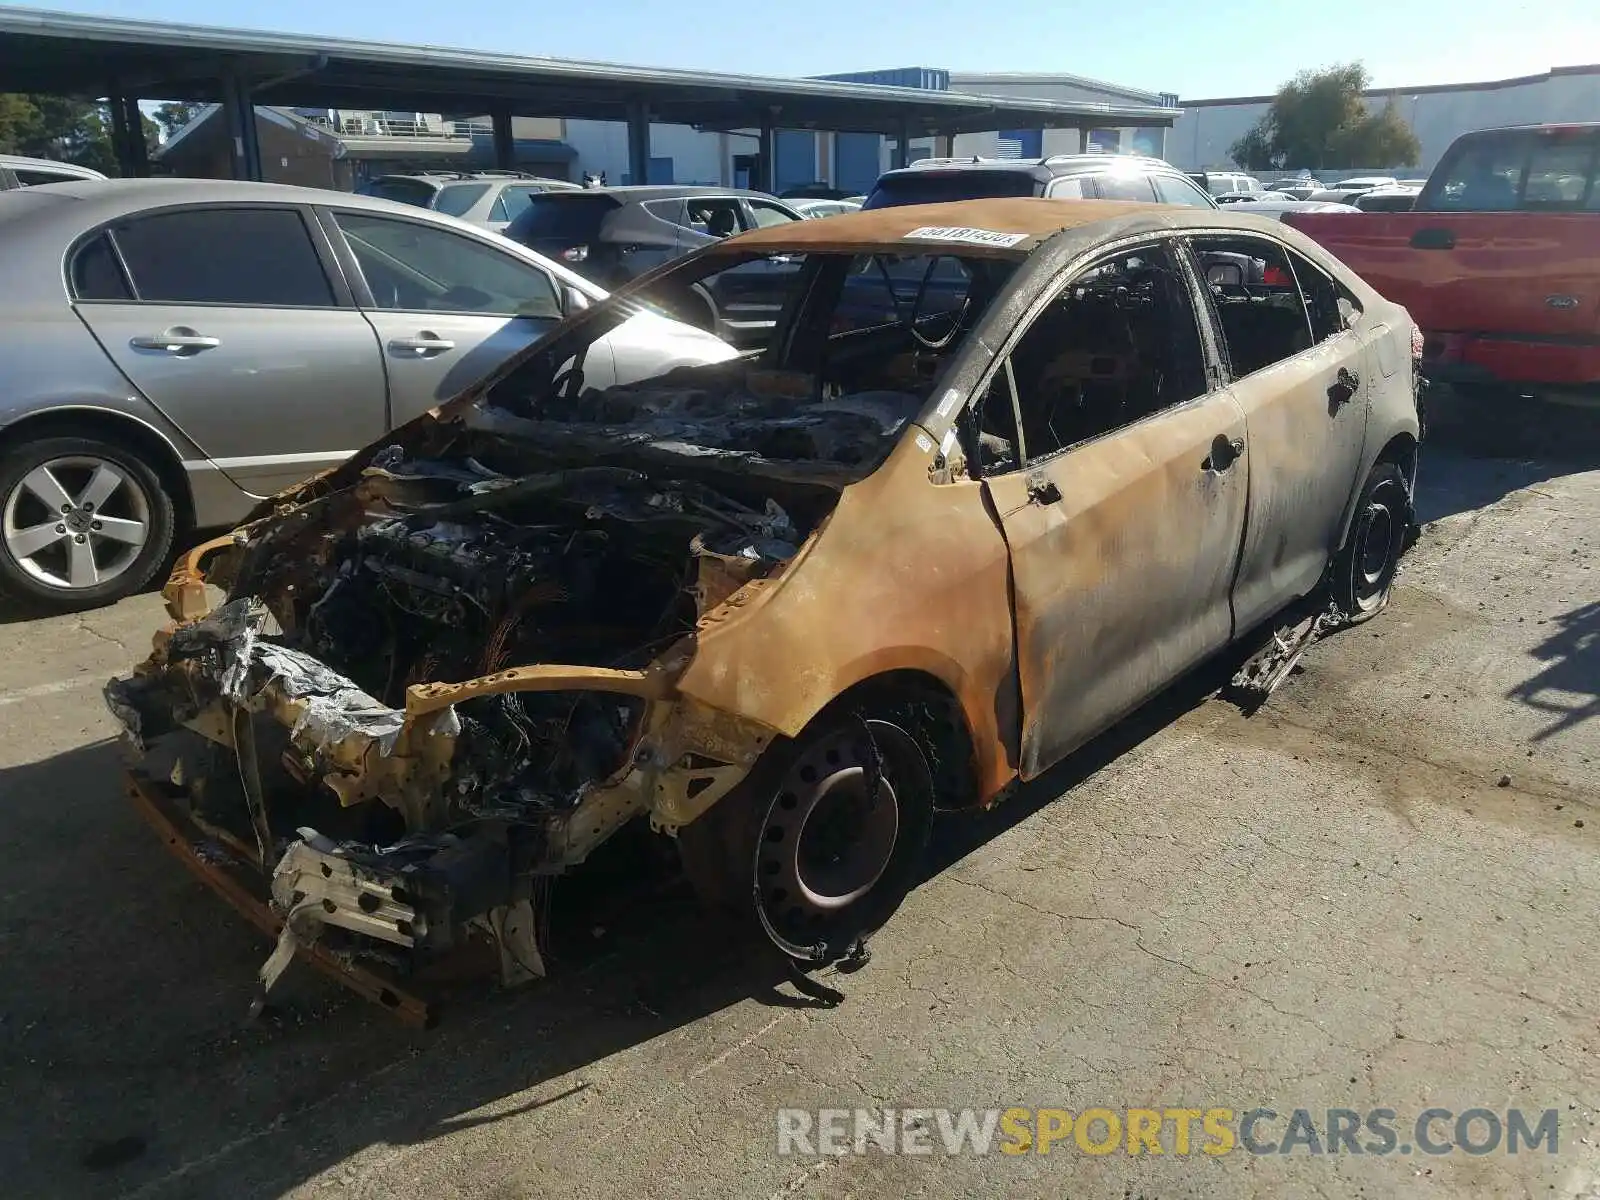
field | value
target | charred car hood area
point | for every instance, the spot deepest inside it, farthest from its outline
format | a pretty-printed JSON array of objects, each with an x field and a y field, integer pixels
[{"x": 446, "y": 670}]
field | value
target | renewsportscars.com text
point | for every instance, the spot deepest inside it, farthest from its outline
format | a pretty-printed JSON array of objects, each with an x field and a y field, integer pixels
[{"x": 1174, "y": 1131}]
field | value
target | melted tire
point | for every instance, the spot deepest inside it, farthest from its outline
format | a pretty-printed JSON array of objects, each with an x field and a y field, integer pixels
[{"x": 1365, "y": 568}]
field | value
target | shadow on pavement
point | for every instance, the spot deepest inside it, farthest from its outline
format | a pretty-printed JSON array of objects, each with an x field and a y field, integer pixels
[
  {"x": 1451, "y": 481},
  {"x": 960, "y": 834},
  {"x": 1569, "y": 687},
  {"x": 125, "y": 1065}
]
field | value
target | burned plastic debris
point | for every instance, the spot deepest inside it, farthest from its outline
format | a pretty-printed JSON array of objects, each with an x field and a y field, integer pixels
[{"x": 1269, "y": 666}]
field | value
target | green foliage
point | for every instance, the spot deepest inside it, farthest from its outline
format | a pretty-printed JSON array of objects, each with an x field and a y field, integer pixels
[
  {"x": 76, "y": 131},
  {"x": 173, "y": 115},
  {"x": 1320, "y": 120}
]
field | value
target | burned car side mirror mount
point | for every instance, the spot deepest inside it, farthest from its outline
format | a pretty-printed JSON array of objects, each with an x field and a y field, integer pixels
[{"x": 573, "y": 300}]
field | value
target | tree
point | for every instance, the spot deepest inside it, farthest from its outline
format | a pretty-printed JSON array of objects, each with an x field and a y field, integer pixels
[
  {"x": 76, "y": 131},
  {"x": 173, "y": 115},
  {"x": 1320, "y": 119}
]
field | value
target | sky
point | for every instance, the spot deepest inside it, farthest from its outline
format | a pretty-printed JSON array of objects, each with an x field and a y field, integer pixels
[{"x": 1196, "y": 48}]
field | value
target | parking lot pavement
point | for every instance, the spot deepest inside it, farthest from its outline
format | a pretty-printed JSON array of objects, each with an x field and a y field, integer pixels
[{"x": 1378, "y": 892}]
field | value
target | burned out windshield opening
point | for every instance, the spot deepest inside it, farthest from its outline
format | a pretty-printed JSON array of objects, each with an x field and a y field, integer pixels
[{"x": 828, "y": 356}]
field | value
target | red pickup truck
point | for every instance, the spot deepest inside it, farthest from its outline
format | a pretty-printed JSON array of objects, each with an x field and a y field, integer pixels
[{"x": 1499, "y": 260}]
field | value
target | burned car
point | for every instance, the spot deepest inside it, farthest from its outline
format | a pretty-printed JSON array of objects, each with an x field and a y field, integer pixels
[{"x": 994, "y": 473}]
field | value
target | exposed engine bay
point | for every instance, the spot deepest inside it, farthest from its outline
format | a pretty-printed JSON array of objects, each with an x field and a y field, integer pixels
[{"x": 598, "y": 565}]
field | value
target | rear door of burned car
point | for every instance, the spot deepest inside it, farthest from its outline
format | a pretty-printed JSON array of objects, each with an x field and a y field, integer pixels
[
  {"x": 1294, "y": 348},
  {"x": 1114, "y": 460}
]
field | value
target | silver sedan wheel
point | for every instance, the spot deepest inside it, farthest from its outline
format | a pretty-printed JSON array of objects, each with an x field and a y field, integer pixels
[{"x": 76, "y": 522}]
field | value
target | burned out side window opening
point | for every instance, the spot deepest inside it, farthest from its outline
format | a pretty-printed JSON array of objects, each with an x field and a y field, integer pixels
[
  {"x": 1117, "y": 344},
  {"x": 1263, "y": 317}
]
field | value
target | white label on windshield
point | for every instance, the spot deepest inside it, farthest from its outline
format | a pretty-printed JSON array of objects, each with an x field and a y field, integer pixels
[
  {"x": 924, "y": 443},
  {"x": 947, "y": 402},
  {"x": 962, "y": 233}
]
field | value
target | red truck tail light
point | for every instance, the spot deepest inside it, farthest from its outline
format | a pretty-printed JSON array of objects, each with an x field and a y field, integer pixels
[{"x": 1276, "y": 277}]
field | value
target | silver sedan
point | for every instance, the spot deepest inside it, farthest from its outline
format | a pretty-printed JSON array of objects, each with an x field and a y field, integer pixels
[{"x": 178, "y": 349}]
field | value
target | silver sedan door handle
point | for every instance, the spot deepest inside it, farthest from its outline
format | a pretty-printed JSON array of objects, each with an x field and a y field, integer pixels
[
  {"x": 424, "y": 345},
  {"x": 177, "y": 341}
]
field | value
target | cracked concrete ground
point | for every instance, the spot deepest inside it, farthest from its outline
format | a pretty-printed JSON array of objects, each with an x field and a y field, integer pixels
[{"x": 1377, "y": 892}]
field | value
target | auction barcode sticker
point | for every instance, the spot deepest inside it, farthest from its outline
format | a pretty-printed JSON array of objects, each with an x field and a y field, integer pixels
[{"x": 962, "y": 233}]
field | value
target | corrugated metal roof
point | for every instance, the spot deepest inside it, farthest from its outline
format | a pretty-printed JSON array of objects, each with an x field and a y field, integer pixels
[{"x": 63, "y": 52}]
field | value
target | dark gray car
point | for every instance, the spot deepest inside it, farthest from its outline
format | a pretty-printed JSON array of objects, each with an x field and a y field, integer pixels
[
  {"x": 614, "y": 235},
  {"x": 178, "y": 349},
  {"x": 491, "y": 199}
]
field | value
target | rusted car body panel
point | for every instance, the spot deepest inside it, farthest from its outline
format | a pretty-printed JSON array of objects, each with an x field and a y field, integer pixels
[
  {"x": 1304, "y": 450},
  {"x": 784, "y": 582},
  {"x": 908, "y": 575},
  {"x": 1141, "y": 549}
]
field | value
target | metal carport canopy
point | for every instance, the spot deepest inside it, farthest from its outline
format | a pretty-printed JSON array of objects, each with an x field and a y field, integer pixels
[{"x": 43, "y": 51}]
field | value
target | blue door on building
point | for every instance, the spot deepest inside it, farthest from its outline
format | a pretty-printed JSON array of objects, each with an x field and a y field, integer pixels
[
  {"x": 795, "y": 156},
  {"x": 855, "y": 161}
]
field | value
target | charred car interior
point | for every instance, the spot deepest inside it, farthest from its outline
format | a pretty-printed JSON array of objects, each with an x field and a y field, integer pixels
[{"x": 452, "y": 668}]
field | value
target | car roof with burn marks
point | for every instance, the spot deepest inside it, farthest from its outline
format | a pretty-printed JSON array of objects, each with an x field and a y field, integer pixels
[{"x": 1034, "y": 219}]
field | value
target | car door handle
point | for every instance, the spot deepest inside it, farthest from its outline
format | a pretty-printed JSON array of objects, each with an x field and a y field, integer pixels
[
  {"x": 1433, "y": 239},
  {"x": 1225, "y": 451},
  {"x": 1042, "y": 490},
  {"x": 424, "y": 345},
  {"x": 177, "y": 341},
  {"x": 1344, "y": 386}
]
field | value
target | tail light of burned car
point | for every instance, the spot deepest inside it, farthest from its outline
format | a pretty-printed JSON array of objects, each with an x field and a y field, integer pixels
[{"x": 575, "y": 254}]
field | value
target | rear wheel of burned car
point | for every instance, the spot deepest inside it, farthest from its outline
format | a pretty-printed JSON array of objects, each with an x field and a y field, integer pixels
[
  {"x": 1365, "y": 568},
  {"x": 820, "y": 846},
  {"x": 82, "y": 522}
]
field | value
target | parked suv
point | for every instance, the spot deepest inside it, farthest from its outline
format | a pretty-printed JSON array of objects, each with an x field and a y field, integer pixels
[
  {"x": 1226, "y": 183},
  {"x": 1061, "y": 177},
  {"x": 490, "y": 199},
  {"x": 18, "y": 172}
]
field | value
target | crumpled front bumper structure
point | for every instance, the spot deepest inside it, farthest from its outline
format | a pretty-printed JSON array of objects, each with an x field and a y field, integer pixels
[{"x": 225, "y": 719}]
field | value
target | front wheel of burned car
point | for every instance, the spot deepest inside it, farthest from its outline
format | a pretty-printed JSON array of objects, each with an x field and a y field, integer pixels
[{"x": 822, "y": 843}]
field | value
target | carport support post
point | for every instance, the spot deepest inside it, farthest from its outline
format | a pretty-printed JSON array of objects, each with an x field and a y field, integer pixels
[
  {"x": 127, "y": 137},
  {"x": 138, "y": 164},
  {"x": 902, "y": 146},
  {"x": 768, "y": 168},
  {"x": 241, "y": 115},
  {"x": 638, "y": 142},
  {"x": 505, "y": 145}
]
